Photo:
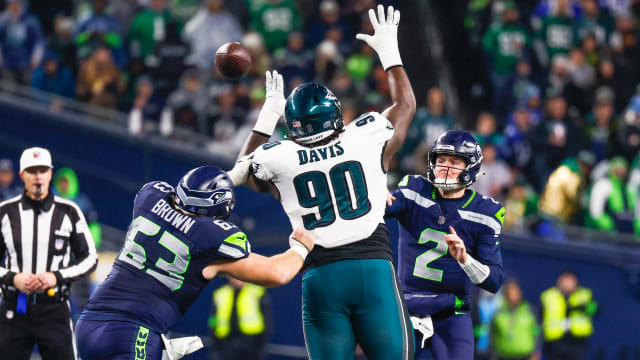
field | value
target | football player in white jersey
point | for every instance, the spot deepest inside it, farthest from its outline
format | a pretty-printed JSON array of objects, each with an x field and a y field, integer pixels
[{"x": 331, "y": 179}]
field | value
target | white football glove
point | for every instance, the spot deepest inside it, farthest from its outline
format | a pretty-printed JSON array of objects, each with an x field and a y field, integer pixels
[
  {"x": 385, "y": 38},
  {"x": 240, "y": 171},
  {"x": 273, "y": 107}
]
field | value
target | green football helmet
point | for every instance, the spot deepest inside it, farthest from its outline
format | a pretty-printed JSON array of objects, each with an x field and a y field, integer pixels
[{"x": 312, "y": 113}]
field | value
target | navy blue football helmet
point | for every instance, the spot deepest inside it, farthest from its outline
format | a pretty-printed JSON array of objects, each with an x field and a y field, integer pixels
[
  {"x": 312, "y": 113},
  {"x": 461, "y": 144},
  {"x": 206, "y": 190}
]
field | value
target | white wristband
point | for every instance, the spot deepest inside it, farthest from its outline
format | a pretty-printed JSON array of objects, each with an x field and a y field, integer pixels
[
  {"x": 298, "y": 247},
  {"x": 389, "y": 58},
  {"x": 475, "y": 270},
  {"x": 267, "y": 121}
]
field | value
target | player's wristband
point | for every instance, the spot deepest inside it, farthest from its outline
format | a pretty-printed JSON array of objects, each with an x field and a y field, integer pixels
[
  {"x": 390, "y": 58},
  {"x": 475, "y": 270},
  {"x": 298, "y": 247}
]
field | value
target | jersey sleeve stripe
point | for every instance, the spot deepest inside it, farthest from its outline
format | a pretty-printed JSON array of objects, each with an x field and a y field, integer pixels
[
  {"x": 231, "y": 251},
  {"x": 417, "y": 198},
  {"x": 481, "y": 219}
]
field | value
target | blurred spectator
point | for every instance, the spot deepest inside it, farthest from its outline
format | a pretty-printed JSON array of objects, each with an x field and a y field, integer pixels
[
  {"x": 495, "y": 175},
  {"x": 149, "y": 28},
  {"x": 633, "y": 187},
  {"x": 556, "y": 34},
  {"x": 184, "y": 10},
  {"x": 100, "y": 29},
  {"x": 602, "y": 127},
  {"x": 533, "y": 104},
  {"x": 505, "y": 44},
  {"x": 556, "y": 137},
  {"x": 582, "y": 79},
  {"x": 223, "y": 120},
  {"x": 514, "y": 330},
  {"x": 186, "y": 106},
  {"x": 590, "y": 48},
  {"x": 522, "y": 82},
  {"x": 275, "y": 19},
  {"x": 169, "y": 60},
  {"x": 629, "y": 135},
  {"x": 99, "y": 80},
  {"x": 66, "y": 184},
  {"x": 559, "y": 73},
  {"x": 567, "y": 311},
  {"x": 8, "y": 187},
  {"x": 328, "y": 60},
  {"x": 429, "y": 122},
  {"x": 516, "y": 146},
  {"x": 147, "y": 105},
  {"x": 626, "y": 59},
  {"x": 560, "y": 200},
  {"x": 61, "y": 42},
  {"x": 328, "y": 20},
  {"x": 521, "y": 205},
  {"x": 241, "y": 323},
  {"x": 487, "y": 305},
  {"x": 211, "y": 27},
  {"x": 360, "y": 64},
  {"x": 21, "y": 42},
  {"x": 547, "y": 7},
  {"x": 486, "y": 129},
  {"x": 595, "y": 21},
  {"x": 260, "y": 59},
  {"x": 52, "y": 78},
  {"x": 611, "y": 204},
  {"x": 294, "y": 60}
]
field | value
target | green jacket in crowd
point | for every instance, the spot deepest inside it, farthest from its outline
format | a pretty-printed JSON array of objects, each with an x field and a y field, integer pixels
[{"x": 514, "y": 332}]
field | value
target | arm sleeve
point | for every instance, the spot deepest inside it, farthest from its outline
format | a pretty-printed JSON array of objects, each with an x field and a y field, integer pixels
[
  {"x": 488, "y": 253},
  {"x": 263, "y": 161},
  {"x": 82, "y": 248}
]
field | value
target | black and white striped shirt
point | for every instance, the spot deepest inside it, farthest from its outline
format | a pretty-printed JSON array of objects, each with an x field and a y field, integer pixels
[{"x": 42, "y": 236}]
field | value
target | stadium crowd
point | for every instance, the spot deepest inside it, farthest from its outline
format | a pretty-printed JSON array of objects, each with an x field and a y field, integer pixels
[{"x": 560, "y": 134}]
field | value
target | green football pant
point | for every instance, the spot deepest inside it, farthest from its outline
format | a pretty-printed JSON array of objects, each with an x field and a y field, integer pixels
[{"x": 353, "y": 302}]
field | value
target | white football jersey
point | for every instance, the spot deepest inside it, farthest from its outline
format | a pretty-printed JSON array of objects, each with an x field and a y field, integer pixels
[{"x": 337, "y": 190}]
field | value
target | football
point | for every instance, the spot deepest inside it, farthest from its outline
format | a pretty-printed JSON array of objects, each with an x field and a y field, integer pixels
[{"x": 232, "y": 60}]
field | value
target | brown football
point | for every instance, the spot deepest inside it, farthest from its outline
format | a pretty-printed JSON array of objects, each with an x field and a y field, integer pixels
[{"x": 232, "y": 60}]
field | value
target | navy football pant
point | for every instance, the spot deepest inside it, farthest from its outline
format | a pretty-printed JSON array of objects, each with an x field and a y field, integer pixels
[
  {"x": 452, "y": 338},
  {"x": 116, "y": 340},
  {"x": 355, "y": 301}
]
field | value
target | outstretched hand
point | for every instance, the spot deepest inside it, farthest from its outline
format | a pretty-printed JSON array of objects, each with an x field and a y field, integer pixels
[
  {"x": 273, "y": 107},
  {"x": 457, "y": 248},
  {"x": 385, "y": 38}
]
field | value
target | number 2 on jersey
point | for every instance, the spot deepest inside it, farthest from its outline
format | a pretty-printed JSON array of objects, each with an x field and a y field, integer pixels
[
  {"x": 421, "y": 268},
  {"x": 135, "y": 254},
  {"x": 349, "y": 189}
]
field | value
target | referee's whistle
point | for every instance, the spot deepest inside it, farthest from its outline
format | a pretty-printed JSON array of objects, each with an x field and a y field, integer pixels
[{"x": 51, "y": 292}]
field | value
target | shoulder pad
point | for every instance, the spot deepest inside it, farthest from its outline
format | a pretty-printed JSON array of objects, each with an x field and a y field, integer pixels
[{"x": 489, "y": 206}]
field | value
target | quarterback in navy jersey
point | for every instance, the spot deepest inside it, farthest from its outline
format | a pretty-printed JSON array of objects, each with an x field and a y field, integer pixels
[
  {"x": 449, "y": 241},
  {"x": 179, "y": 239}
]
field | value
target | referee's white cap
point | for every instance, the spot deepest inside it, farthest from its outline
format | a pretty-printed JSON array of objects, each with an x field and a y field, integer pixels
[{"x": 35, "y": 156}]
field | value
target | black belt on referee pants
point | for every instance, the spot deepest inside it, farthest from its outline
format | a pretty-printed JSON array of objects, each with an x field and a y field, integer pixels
[{"x": 33, "y": 298}]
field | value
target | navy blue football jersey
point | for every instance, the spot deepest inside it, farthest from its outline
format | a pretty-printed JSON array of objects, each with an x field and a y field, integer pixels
[
  {"x": 424, "y": 262},
  {"x": 158, "y": 273}
]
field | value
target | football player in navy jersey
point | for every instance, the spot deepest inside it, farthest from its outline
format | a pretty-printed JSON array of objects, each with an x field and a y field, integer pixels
[
  {"x": 179, "y": 239},
  {"x": 449, "y": 241}
]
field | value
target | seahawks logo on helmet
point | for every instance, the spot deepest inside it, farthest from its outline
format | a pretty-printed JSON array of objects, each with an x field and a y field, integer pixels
[
  {"x": 312, "y": 113},
  {"x": 463, "y": 145},
  {"x": 207, "y": 191}
]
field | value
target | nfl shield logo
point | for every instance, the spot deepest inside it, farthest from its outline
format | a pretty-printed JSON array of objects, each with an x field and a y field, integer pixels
[
  {"x": 441, "y": 220},
  {"x": 296, "y": 124},
  {"x": 59, "y": 244}
]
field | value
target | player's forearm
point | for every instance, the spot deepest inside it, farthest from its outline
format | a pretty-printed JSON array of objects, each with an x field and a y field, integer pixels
[
  {"x": 284, "y": 267},
  {"x": 401, "y": 113},
  {"x": 254, "y": 140}
]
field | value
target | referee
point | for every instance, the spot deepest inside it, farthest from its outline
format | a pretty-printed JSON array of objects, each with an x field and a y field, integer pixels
[{"x": 45, "y": 244}]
